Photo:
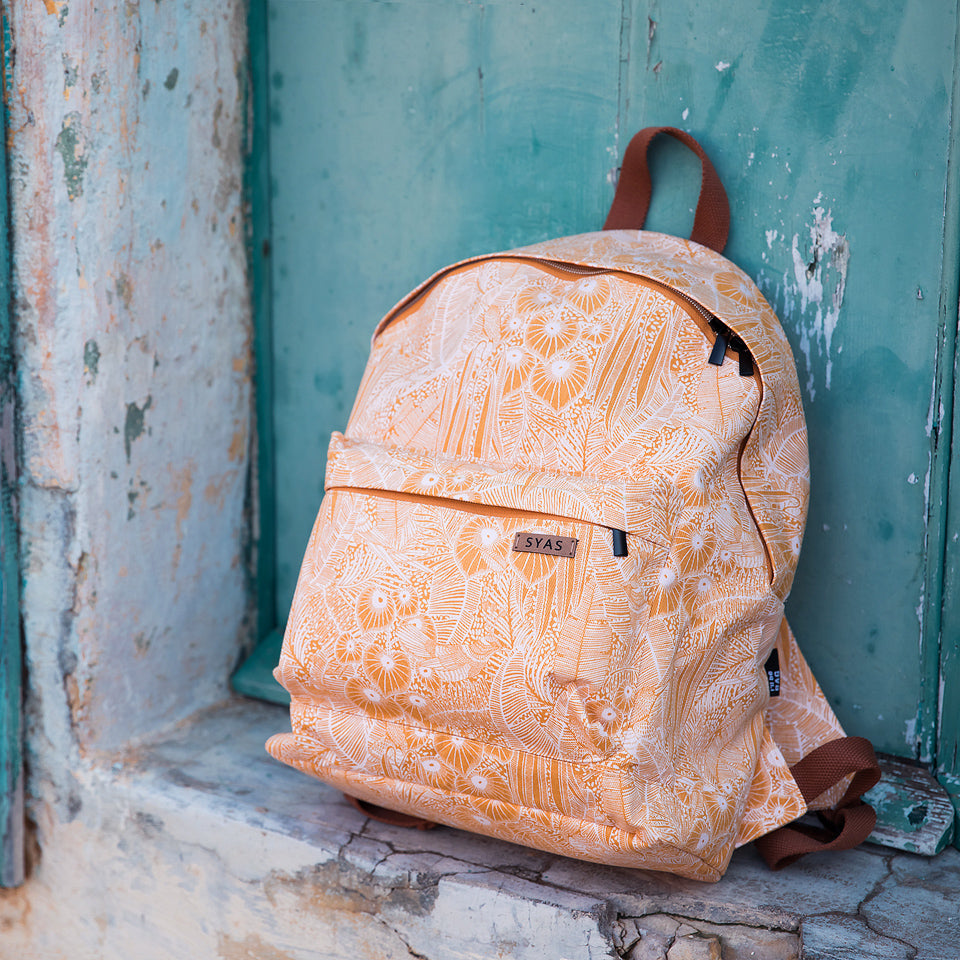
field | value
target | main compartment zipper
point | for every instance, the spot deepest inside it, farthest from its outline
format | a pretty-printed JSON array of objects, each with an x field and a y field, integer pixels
[
  {"x": 725, "y": 338},
  {"x": 728, "y": 340}
]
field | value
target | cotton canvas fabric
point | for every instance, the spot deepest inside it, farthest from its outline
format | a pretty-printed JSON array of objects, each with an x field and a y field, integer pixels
[{"x": 610, "y": 708}]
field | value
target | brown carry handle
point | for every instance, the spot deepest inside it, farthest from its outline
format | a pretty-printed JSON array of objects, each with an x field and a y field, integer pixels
[
  {"x": 389, "y": 816},
  {"x": 845, "y": 826},
  {"x": 711, "y": 222}
]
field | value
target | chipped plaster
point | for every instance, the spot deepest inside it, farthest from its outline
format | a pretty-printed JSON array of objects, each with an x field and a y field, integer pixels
[
  {"x": 815, "y": 294},
  {"x": 132, "y": 333}
]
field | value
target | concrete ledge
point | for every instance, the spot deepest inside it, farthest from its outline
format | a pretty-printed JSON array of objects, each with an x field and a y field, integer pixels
[{"x": 200, "y": 845}]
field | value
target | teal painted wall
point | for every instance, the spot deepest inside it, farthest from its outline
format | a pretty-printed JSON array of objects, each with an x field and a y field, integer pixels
[
  {"x": 11, "y": 720},
  {"x": 406, "y": 135}
]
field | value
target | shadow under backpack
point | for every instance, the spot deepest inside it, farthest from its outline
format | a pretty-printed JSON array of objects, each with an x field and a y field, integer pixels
[{"x": 543, "y": 597}]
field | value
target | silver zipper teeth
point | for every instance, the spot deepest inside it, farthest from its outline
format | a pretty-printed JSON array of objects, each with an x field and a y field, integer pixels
[{"x": 574, "y": 268}]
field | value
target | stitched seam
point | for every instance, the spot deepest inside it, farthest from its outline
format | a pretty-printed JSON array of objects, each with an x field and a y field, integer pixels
[{"x": 520, "y": 806}]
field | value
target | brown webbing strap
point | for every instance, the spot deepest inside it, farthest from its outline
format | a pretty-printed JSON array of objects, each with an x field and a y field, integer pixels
[
  {"x": 631, "y": 200},
  {"x": 389, "y": 816},
  {"x": 846, "y": 825}
]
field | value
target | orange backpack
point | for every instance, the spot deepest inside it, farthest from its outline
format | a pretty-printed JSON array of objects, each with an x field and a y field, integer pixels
[{"x": 543, "y": 597}]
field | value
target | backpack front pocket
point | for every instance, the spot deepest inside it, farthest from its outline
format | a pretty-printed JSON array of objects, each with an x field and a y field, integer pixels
[{"x": 483, "y": 622}]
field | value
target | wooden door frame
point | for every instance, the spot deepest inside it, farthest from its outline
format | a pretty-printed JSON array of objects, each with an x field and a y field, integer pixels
[
  {"x": 939, "y": 719},
  {"x": 11, "y": 648},
  {"x": 261, "y": 287}
]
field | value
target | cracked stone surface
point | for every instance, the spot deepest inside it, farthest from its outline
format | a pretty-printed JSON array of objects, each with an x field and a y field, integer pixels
[
  {"x": 919, "y": 893},
  {"x": 202, "y": 845},
  {"x": 653, "y": 937},
  {"x": 846, "y": 938}
]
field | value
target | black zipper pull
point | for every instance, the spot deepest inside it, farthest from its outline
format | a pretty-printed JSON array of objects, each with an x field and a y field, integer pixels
[
  {"x": 743, "y": 354},
  {"x": 719, "y": 352},
  {"x": 619, "y": 542}
]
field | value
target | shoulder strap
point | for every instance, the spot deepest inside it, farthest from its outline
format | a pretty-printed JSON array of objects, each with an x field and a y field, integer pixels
[
  {"x": 848, "y": 824},
  {"x": 711, "y": 222}
]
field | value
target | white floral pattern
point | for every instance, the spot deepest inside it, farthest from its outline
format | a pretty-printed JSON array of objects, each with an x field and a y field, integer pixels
[{"x": 609, "y": 708}]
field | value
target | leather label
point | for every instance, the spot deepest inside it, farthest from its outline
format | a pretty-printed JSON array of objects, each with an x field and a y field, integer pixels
[{"x": 551, "y": 544}]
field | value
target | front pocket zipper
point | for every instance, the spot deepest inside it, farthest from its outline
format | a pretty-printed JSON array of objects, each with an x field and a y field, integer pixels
[{"x": 618, "y": 538}]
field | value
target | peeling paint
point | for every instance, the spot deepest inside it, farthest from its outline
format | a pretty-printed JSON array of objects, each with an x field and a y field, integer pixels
[
  {"x": 171, "y": 80},
  {"x": 91, "y": 361},
  {"x": 814, "y": 296},
  {"x": 238, "y": 445},
  {"x": 70, "y": 74},
  {"x": 70, "y": 146},
  {"x": 141, "y": 643},
  {"x": 115, "y": 273},
  {"x": 928, "y": 427},
  {"x": 216, "y": 490},
  {"x": 910, "y": 733},
  {"x": 215, "y": 136},
  {"x": 134, "y": 424},
  {"x": 58, "y": 9}
]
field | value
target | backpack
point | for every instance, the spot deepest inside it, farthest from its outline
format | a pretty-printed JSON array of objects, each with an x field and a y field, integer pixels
[{"x": 543, "y": 597}]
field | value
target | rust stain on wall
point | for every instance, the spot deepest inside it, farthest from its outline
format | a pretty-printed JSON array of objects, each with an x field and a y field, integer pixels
[
  {"x": 238, "y": 445},
  {"x": 250, "y": 948},
  {"x": 183, "y": 484},
  {"x": 216, "y": 490}
]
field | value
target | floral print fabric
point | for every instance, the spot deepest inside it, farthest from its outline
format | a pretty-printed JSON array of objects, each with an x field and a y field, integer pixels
[{"x": 613, "y": 708}]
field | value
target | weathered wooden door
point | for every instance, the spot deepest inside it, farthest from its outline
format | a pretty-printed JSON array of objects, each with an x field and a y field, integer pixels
[{"x": 405, "y": 135}]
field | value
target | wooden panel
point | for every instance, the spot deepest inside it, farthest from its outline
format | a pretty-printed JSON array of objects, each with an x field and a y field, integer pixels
[
  {"x": 257, "y": 188},
  {"x": 948, "y": 700},
  {"x": 914, "y": 812},
  {"x": 406, "y": 135}
]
